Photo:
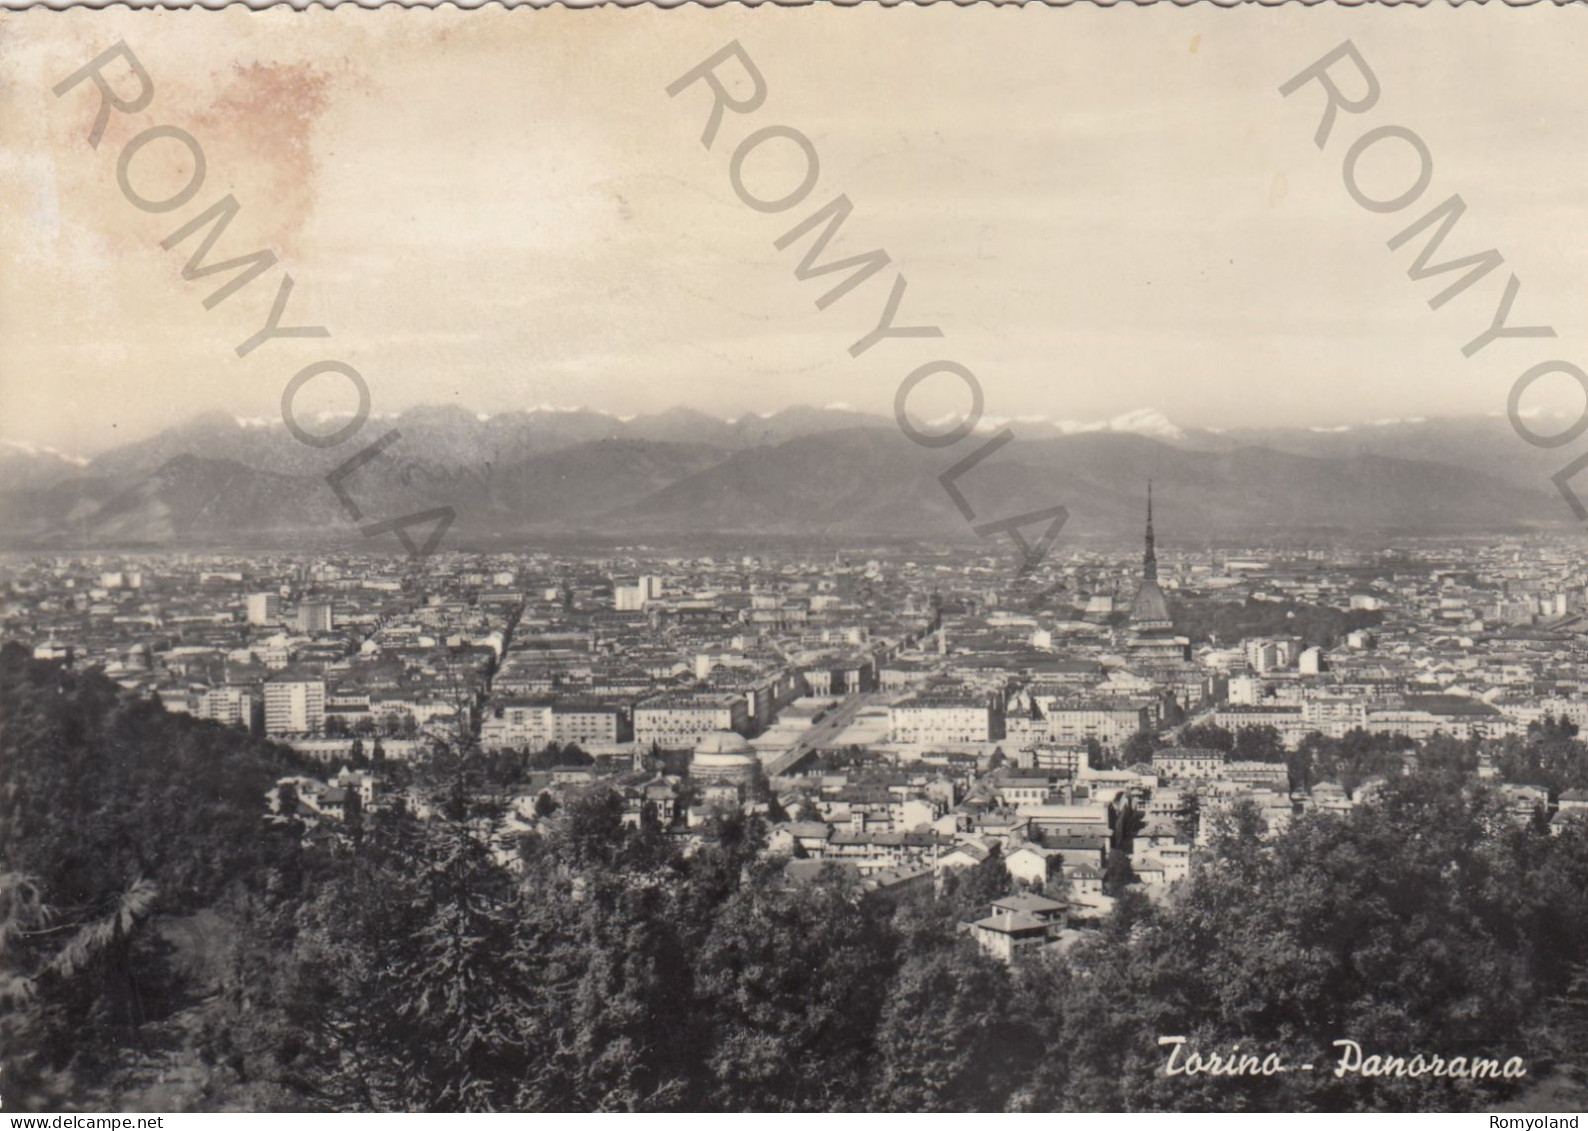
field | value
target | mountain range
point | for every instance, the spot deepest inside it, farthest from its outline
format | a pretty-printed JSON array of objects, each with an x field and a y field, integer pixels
[{"x": 814, "y": 472}]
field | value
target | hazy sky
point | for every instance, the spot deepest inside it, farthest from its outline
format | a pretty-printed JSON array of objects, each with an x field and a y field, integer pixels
[{"x": 1105, "y": 211}]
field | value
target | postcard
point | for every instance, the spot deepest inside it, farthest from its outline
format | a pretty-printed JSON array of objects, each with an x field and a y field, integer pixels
[{"x": 807, "y": 558}]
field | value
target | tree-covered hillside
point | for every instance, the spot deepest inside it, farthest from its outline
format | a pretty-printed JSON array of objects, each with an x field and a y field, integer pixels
[
  {"x": 115, "y": 817},
  {"x": 165, "y": 946}
]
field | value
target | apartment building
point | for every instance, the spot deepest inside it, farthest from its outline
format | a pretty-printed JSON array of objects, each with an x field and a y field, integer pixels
[
  {"x": 940, "y": 719},
  {"x": 1286, "y": 718},
  {"x": 517, "y": 724},
  {"x": 679, "y": 721},
  {"x": 1111, "y": 724},
  {"x": 1188, "y": 763},
  {"x": 315, "y": 617},
  {"x": 233, "y": 706},
  {"x": 294, "y": 705},
  {"x": 264, "y": 609},
  {"x": 590, "y": 724}
]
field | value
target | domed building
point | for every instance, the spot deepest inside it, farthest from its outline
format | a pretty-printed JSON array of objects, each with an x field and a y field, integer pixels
[
  {"x": 723, "y": 757},
  {"x": 1152, "y": 636}
]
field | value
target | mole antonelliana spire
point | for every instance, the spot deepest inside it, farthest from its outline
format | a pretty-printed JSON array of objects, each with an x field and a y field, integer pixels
[
  {"x": 1149, "y": 564},
  {"x": 1152, "y": 626}
]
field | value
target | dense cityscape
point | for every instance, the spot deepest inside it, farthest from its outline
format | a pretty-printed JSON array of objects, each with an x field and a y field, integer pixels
[
  {"x": 792, "y": 562},
  {"x": 902, "y": 718},
  {"x": 1036, "y": 763}
]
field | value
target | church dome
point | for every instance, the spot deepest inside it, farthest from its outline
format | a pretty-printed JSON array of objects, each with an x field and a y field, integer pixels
[
  {"x": 723, "y": 756},
  {"x": 724, "y": 742}
]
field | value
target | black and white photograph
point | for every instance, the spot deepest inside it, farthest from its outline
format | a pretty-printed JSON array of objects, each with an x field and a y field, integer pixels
[{"x": 811, "y": 558}]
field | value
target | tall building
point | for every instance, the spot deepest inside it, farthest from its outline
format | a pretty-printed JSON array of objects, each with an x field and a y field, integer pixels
[
  {"x": 232, "y": 705},
  {"x": 631, "y": 594},
  {"x": 628, "y": 596},
  {"x": 264, "y": 608},
  {"x": 314, "y": 616},
  {"x": 295, "y": 704},
  {"x": 1152, "y": 636}
]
